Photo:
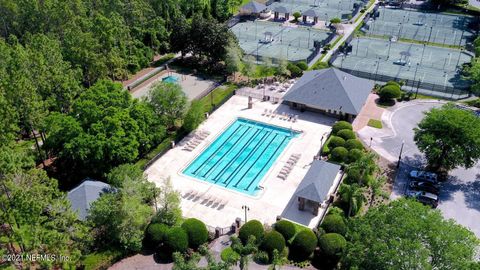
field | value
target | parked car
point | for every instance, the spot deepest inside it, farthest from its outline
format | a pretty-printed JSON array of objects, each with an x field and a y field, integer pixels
[
  {"x": 424, "y": 197},
  {"x": 424, "y": 176},
  {"x": 425, "y": 186}
]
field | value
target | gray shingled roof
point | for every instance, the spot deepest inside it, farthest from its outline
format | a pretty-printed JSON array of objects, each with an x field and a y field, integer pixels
[
  {"x": 254, "y": 7},
  {"x": 310, "y": 13},
  {"x": 84, "y": 195},
  {"x": 280, "y": 9},
  {"x": 318, "y": 181},
  {"x": 331, "y": 89}
]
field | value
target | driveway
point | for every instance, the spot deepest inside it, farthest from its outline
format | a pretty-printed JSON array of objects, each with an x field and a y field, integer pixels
[{"x": 459, "y": 196}]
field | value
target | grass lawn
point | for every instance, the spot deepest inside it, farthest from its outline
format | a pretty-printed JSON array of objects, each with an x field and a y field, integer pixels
[
  {"x": 375, "y": 123},
  {"x": 420, "y": 96},
  {"x": 219, "y": 95}
]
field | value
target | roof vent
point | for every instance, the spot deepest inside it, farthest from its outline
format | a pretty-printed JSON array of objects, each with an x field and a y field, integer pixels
[{"x": 344, "y": 78}]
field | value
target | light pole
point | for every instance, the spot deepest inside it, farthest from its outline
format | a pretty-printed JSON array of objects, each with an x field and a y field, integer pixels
[
  {"x": 246, "y": 208},
  {"x": 414, "y": 77},
  {"x": 400, "y": 156}
]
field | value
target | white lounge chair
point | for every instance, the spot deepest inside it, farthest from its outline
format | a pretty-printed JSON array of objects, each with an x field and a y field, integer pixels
[{"x": 265, "y": 112}]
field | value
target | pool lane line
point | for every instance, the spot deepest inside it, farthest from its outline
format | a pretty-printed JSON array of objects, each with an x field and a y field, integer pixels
[
  {"x": 241, "y": 137},
  {"x": 227, "y": 166},
  {"x": 218, "y": 149},
  {"x": 279, "y": 146},
  {"x": 249, "y": 168},
  {"x": 245, "y": 160}
]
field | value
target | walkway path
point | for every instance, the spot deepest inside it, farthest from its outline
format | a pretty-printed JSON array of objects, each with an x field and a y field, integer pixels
[{"x": 348, "y": 31}]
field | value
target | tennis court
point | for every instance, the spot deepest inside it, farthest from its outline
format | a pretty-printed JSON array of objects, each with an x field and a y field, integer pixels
[
  {"x": 436, "y": 69},
  {"x": 290, "y": 43},
  {"x": 325, "y": 9},
  {"x": 438, "y": 28}
]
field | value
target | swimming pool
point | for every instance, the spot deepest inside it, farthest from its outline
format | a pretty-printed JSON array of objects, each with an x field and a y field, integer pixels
[
  {"x": 240, "y": 157},
  {"x": 170, "y": 79}
]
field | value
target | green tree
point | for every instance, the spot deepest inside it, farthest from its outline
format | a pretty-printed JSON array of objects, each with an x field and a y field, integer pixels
[
  {"x": 449, "y": 137},
  {"x": 244, "y": 250},
  {"x": 194, "y": 117},
  {"x": 168, "y": 202},
  {"x": 408, "y": 235},
  {"x": 119, "y": 218},
  {"x": 38, "y": 219},
  {"x": 353, "y": 196},
  {"x": 249, "y": 67},
  {"x": 363, "y": 167},
  {"x": 168, "y": 101},
  {"x": 233, "y": 59}
]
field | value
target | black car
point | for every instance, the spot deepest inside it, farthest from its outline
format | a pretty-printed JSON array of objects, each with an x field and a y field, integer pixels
[{"x": 425, "y": 186}]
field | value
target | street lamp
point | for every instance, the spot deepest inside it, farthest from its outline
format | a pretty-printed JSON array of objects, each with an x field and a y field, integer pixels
[
  {"x": 414, "y": 78},
  {"x": 400, "y": 156},
  {"x": 246, "y": 208}
]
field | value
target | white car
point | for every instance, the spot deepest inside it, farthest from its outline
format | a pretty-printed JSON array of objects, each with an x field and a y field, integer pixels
[{"x": 424, "y": 176}]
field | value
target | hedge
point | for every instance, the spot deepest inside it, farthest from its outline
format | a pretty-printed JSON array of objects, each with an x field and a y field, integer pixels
[
  {"x": 346, "y": 134},
  {"x": 334, "y": 223},
  {"x": 155, "y": 235},
  {"x": 197, "y": 232},
  {"x": 335, "y": 142},
  {"x": 354, "y": 155},
  {"x": 339, "y": 154},
  {"x": 332, "y": 244},
  {"x": 393, "y": 83},
  {"x": 353, "y": 144},
  {"x": 341, "y": 125},
  {"x": 303, "y": 245},
  {"x": 271, "y": 241},
  {"x": 176, "y": 240},
  {"x": 252, "y": 227},
  {"x": 286, "y": 228}
]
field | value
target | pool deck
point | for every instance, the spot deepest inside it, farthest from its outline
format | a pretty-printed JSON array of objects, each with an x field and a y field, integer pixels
[{"x": 276, "y": 197}]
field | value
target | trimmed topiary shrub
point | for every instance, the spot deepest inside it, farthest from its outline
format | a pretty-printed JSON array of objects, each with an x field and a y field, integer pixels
[
  {"x": 335, "y": 142},
  {"x": 339, "y": 154},
  {"x": 354, "y": 155},
  {"x": 302, "y": 65},
  {"x": 197, "y": 232},
  {"x": 346, "y": 134},
  {"x": 253, "y": 227},
  {"x": 353, "y": 144},
  {"x": 389, "y": 92},
  {"x": 271, "y": 241},
  {"x": 303, "y": 245},
  {"x": 393, "y": 83},
  {"x": 286, "y": 228},
  {"x": 155, "y": 234},
  {"x": 341, "y": 125},
  {"x": 332, "y": 244},
  {"x": 334, "y": 224},
  {"x": 176, "y": 240}
]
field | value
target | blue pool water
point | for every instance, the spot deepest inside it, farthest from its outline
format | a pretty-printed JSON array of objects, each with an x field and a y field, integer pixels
[
  {"x": 241, "y": 155},
  {"x": 170, "y": 79}
]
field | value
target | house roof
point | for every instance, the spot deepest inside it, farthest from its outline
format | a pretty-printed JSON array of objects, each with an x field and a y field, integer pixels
[
  {"x": 280, "y": 9},
  {"x": 310, "y": 13},
  {"x": 254, "y": 7},
  {"x": 318, "y": 181},
  {"x": 331, "y": 89},
  {"x": 85, "y": 194}
]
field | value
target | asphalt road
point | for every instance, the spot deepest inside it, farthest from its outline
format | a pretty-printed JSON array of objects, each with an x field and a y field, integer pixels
[{"x": 460, "y": 194}]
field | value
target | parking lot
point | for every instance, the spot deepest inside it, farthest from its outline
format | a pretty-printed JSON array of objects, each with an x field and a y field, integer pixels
[{"x": 459, "y": 196}]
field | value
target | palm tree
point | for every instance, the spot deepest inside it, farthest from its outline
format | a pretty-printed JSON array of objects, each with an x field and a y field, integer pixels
[
  {"x": 353, "y": 195},
  {"x": 376, "y": 186},
  {"x": 365, "y": 165}
]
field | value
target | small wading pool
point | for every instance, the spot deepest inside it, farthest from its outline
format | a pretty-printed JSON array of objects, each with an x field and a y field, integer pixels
[
  {"x": 240, "y": 157},
  {"x": 170, "y": 79}
]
